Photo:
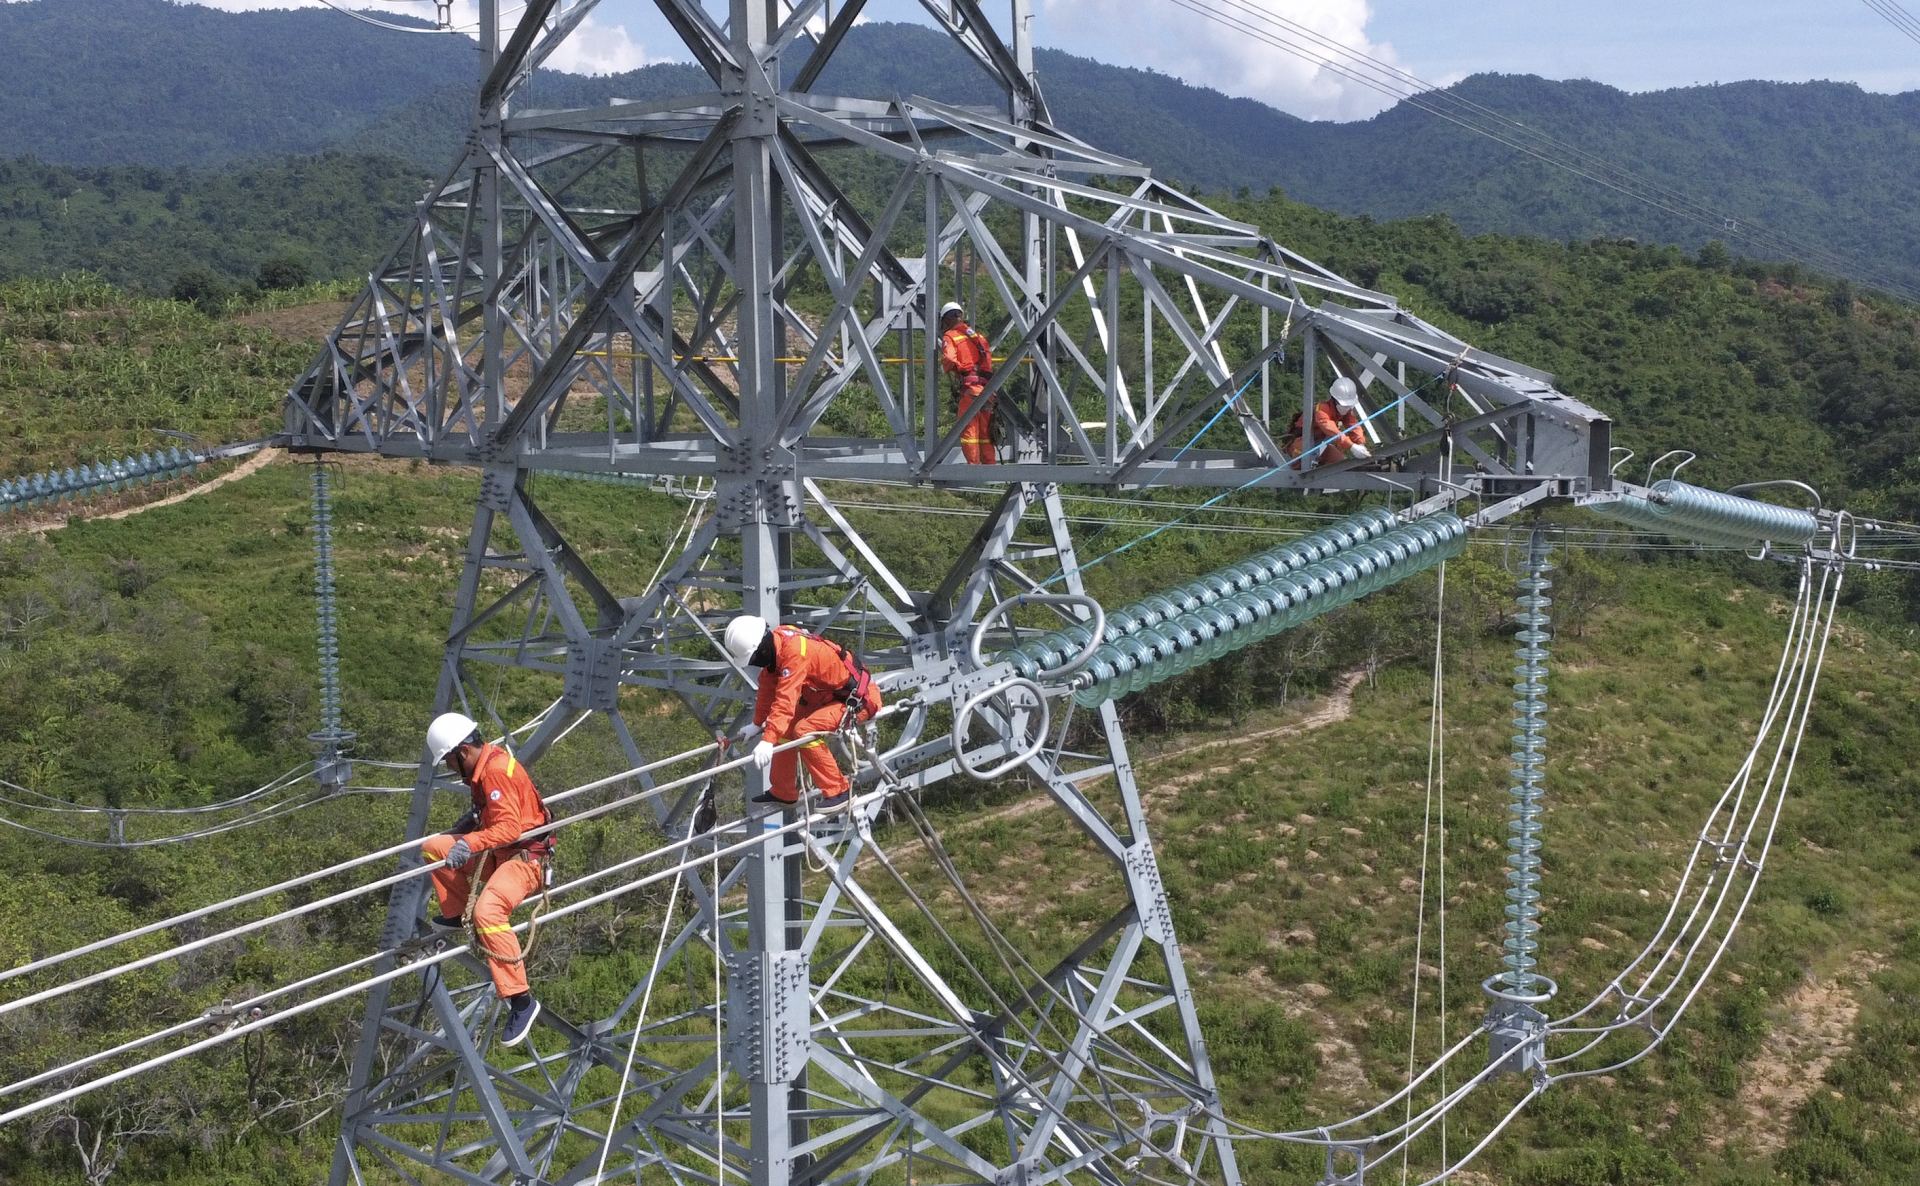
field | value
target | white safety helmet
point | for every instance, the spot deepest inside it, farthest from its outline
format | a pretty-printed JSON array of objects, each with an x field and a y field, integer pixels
[
  {"x": 448, "y": 730},
  {"x": 744, "y": 636},
  {"x": 951, "y": 307},
  {"x": 1345, "y": 393}
]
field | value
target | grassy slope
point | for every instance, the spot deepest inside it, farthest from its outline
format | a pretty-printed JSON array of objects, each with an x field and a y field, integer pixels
[
  {"x": 1292, "y": 866},
  {"x": 1301, "y": 962},
  {"x": 167, "y": 658}
]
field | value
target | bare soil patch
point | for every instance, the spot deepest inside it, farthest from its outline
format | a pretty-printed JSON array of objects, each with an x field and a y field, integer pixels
[
  {"x": 299, "y": 323},
  {"x": 1815, "y": 1031}
]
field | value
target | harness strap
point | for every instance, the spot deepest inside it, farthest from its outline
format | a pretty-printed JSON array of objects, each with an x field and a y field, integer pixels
[{"x": 478, "y": 885}]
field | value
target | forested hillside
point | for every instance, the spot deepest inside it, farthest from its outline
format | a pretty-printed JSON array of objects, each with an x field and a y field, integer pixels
[
  {"x": 150, "y": 82},
  {"x": 334, "y": 214},
  {"x": 120, "y": 82}
]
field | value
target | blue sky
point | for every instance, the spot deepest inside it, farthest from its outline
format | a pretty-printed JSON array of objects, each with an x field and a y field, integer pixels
[{"x": 1633, "y": 44}]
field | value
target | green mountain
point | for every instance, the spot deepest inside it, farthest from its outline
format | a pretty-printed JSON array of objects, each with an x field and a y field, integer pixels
[
  {"x": 105, "y": 83},
  {"x": 117, "y": 82}
]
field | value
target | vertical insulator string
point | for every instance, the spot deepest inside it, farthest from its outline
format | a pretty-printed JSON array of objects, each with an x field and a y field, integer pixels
[
  {"x": 1529, "y": 768},
  {"x": 332, "y": 768},
  {"x": 324, "y": 602}
]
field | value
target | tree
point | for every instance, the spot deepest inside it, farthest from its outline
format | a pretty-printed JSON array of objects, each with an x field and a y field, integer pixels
[
  {"x": 102, "y": 1137},
  {"x": 198, "y": 286},
  {"x": 282, "y": 271}
]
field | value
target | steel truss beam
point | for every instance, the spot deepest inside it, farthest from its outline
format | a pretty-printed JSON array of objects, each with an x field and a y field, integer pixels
[{"x": 755, "y": 324}]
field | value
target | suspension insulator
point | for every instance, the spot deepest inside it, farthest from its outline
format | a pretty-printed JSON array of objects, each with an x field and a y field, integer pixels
[
  {"x": 1165, "y": 633},
  {"x": 325, "y": 607},
  {"x": 1733, "y": 514},
  {"x": 1524, "y": 804},
  {"x": 57, "y": 486},
  {"x": 1710, "y": 517}
]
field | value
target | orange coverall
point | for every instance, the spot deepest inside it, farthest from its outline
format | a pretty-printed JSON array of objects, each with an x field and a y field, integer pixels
[
  {"x": 801, "y": 693},
  {"x": 508, "y": 805},
  {"x": 965, "y": 355},
  {"x": 1339, "y": 429}
]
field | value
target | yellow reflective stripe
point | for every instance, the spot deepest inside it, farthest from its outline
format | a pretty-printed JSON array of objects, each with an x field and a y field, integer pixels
[
  {"x": 496, "y": 930},
  {"x": 803, "y": 646},
  {"x": 811, "y": 744},
  {"x": 511, "y": 766}
]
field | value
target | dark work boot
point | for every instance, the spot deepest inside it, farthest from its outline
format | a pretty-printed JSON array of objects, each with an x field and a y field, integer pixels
[{"x": 521, "y": 1013}]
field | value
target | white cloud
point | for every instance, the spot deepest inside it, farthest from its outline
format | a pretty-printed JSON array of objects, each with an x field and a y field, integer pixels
[
  {"x": 600, "y": 49},
  {"x": 1188, "y": 45},
  {"x": 593, "y": 48}
]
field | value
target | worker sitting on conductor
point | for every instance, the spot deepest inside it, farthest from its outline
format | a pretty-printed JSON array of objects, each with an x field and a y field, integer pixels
[
  {"x": 966, "y": 356},
  {"x": 1337, "y": 430},
  {"x": 808, "y": 684},
  {"x": 485, "y": 843}
]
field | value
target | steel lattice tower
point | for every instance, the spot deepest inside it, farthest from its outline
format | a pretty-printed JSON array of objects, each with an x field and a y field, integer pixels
[{"x": 505, "y": 306}]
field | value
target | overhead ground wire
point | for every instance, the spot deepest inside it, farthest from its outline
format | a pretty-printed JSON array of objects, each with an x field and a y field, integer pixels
[
  {"x": 640, "y": 1023},
  {"x": 1897, "y": 16},
  {"x": 1195, "y": 439}
]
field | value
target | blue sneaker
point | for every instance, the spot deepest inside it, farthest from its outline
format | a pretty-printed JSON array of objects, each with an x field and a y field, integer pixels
[{"x": 520, "y": 1019}]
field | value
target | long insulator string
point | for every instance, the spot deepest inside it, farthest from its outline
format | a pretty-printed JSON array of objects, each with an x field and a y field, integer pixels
[
  {"x": 1159, "y": 637},
  {"x": 1529, "y": 768},
  {"x": 58, "y": 486},
  {"x": 331, "y": 739}
]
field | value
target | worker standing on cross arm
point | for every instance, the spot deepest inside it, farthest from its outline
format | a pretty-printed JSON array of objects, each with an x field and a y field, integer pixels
[
  {"x": 808, "y": 684},
  {"x": 1337, "y": 430},
  {"x": 485, "y": 843},
  {"x": 965, "y": 355}
]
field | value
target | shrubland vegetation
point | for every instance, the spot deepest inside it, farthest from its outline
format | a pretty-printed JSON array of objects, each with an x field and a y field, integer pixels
[{"x": 167, "y": 659}]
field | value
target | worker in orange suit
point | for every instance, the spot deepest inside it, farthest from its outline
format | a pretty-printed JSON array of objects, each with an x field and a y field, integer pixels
[
  {"x": 965, "y": 355},
  {"x": 807, "y": 685},
  {"x": 485, "y": 843},
  {"x": 1337, "y": 431}
]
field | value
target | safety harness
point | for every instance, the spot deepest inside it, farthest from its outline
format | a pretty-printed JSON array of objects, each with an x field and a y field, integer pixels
[
  {"x": 979, "y": 373},
  {"x": 539, "y": 854},
  {"x": 857, "y": 693},
  {"x": 478, "y": 886}
]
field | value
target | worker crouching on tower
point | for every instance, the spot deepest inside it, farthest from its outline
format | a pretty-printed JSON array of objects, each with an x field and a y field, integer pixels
[
  {"x": 808, "y": 684},
  {"x": 965, "y": 355},
  {"x": 1337, "y": 431},
  {"x": 485, "y": 844}
]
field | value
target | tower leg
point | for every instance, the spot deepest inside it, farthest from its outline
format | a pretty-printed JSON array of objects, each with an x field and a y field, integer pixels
[{"x": 404, "y": 902}]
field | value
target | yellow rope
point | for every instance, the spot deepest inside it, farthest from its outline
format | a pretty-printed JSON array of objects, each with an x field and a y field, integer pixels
[{"x": 478, "y": 886}]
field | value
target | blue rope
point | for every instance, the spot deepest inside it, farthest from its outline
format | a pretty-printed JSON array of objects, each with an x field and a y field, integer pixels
[
  {"x": 1208, "y": 427},
  {"x": 1261, "y": 476}
]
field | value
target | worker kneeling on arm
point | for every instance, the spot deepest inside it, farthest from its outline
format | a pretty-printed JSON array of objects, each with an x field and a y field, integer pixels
[
  {"x": 485, "y": 843},
  {"x": 808, "y": 684},
  {"x": 1337, "y": 429}
]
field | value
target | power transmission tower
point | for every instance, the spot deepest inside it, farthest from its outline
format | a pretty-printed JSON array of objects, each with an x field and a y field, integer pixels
[{"x": 518, "y": 330}]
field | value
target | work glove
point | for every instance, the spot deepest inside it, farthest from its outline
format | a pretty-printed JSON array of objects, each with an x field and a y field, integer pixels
[
  {"x": 1360, "y": 451},
  {"x": 459, "y": 854},
  {"x": 746, "y": 733},
  {"x": 763, "y": 754},
  {"x": 466, "y": 823}
]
